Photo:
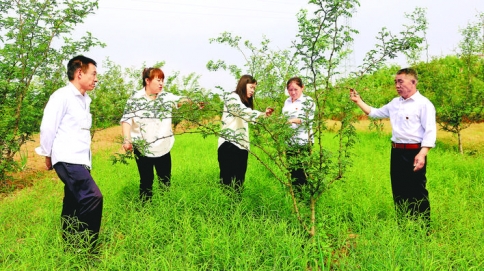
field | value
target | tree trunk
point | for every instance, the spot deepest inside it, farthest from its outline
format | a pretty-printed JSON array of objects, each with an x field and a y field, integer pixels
[
  {"x": 312, "y": 231},
  {"x": 459, "y": 141}
]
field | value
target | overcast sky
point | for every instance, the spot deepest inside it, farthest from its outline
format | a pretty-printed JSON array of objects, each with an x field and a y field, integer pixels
[{"x": 178, "y": 31}]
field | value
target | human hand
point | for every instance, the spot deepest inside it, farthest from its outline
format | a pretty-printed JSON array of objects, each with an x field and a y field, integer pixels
[
  {"x": 127, "y": 146},
  {"x": 295, "y": 121},
  {"x": 354, "y": 96},
  {"x": 48, "y": 163},
  {"x": 419, "y": 162},
  {"x": 269, "y": 111}
]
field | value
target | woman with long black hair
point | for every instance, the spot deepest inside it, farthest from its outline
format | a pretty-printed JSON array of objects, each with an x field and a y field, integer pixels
[{"x": 233, "y": 143}]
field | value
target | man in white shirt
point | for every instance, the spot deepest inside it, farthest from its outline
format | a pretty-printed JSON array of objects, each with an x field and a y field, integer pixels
[
  {"x": 414, "y": 132},
  {"x": 65, "y": 141}
]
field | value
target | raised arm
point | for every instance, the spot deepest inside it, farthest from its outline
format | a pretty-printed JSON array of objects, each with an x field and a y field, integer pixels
[{"x": 355, "y": 97}]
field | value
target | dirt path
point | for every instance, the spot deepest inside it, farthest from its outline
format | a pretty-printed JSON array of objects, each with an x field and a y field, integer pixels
[{"x": 34, "y": 165}]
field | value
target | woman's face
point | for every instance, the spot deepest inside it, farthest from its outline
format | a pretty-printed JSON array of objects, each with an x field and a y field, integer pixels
[
  {"x": 251, "y": 90},
  {"x": 294, "y": 91},
  {"x": 154, "y": 86}
]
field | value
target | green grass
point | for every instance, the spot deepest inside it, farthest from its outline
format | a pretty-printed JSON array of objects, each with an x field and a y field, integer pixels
[{"x": 197, "y": 226}]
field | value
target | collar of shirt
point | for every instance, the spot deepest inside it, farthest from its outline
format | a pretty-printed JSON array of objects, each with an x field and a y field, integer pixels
[
  {"x": 301, "y": 99},
  {"x": 416, "y": 96},
  {"x": 147, "y": 97},
  {"x": 84, "y": 100},
  {"x": 142, "y": 94}
]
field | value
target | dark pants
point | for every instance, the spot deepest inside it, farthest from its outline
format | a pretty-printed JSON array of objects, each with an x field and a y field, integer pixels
[
  {"x": 232, "y": 162},
  {"x": 298, "y": 175},
  {"x": 83, "y": 201},
  {"x": 409, "y": 187},
  {"x": 162, "y": 164}
]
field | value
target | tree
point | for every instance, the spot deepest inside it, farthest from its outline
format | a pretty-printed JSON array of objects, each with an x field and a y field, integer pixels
[
  {"x": 321, "y": 47},
  {"x": 320, "y": 52},
  {"x": 371, "y": 78},
  {"x": 456, "y": 83},
  {"x": 455, "y": 91},
  {"x": 35, "y": 41},
  {"x": 413, "y": 54}
]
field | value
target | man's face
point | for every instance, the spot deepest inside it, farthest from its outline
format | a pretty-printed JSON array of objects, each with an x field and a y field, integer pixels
[
  {"x": 406, "y": 85},
  {"x": 88, "y": 80}
]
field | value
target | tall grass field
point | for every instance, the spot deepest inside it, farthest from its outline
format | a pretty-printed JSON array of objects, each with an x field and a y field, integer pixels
[{"x": 196, "y": 225}]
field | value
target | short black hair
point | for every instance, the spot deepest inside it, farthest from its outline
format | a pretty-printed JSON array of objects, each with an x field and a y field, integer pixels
[
  {"x": 77, "y": 62},
  {"x": 409, "y": 71}
]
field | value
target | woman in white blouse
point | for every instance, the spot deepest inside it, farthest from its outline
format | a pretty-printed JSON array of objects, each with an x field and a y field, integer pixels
[
  {"x": 147, "y": 120},
  {"x": 300, "y": 111},
  {"x": 233, "y": 143}
]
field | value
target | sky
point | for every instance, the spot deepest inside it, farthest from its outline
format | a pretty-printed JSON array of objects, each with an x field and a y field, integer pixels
[{"x": 141, "y": 33}]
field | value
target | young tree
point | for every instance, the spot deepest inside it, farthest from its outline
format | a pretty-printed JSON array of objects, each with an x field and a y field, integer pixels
[
  {"x": 456, "y": 83},
  {"x": 320, "y": 49},
  {"x": 371, "y": 77},
  {"x": 413, "y": 53},
  {"x": 457, "y": 95},
  {"x": 35, "y": 41}
]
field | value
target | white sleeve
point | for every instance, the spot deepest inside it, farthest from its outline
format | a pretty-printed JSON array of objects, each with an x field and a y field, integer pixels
[
  {"x": 237, "y": 108},
  {"x": 53, "y": 113}
]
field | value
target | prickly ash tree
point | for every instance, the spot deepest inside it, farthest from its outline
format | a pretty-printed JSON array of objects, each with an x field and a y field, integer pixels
[
  {"x": 319, "y": 51},
  {"x": 35, "y": 41}
]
